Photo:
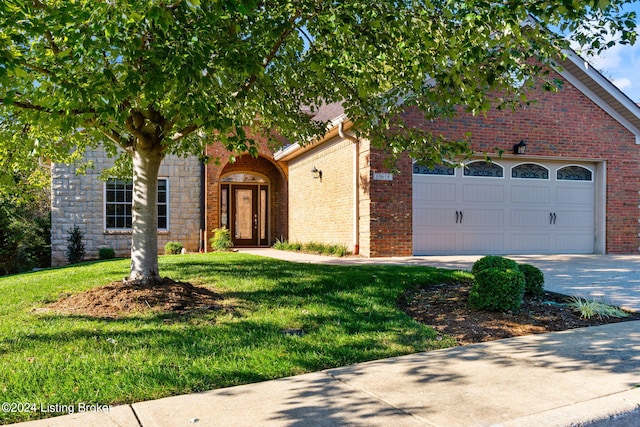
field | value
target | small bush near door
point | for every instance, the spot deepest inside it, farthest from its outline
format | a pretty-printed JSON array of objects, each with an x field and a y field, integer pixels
[
  {"x": 221, "y": 240},
  {"x": 173, "y": 248}
]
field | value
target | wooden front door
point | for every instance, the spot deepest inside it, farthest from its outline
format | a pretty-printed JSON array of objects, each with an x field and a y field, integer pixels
[{"x": 246, "y": 206}]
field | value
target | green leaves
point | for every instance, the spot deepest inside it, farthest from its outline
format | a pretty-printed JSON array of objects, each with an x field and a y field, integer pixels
[{"x": 218, "y": 64}]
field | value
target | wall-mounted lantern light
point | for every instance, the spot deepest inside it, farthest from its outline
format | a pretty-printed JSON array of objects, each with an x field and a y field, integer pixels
[
  {"x": 316, "y": 173},
  {"x": 520, "y": 148}
]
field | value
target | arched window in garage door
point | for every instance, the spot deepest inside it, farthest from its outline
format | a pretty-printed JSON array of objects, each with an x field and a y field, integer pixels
[
  {"x": 529, "y": 171},
  {"x": 483, "y": 169},
  {"x": 574, "y": 173}
]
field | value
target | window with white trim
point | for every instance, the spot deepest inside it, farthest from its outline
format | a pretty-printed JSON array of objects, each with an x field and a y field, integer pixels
[{"x": 118, "y": 200}]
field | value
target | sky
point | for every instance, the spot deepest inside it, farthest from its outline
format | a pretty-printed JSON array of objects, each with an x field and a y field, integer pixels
[{"x": 621, "y": 64}]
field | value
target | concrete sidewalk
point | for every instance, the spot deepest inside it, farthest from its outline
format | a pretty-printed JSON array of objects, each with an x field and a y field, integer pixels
[{"x": 582, "y": 377}]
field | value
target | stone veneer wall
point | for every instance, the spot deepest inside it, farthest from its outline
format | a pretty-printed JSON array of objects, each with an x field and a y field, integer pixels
[{"x": 79, "y": 200}]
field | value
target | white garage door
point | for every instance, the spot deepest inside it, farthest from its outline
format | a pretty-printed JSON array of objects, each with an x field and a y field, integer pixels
[{"x": 504, "y": 207}]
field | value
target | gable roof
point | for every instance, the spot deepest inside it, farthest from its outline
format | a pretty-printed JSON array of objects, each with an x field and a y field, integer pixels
[{"x": 600, "y": 90}]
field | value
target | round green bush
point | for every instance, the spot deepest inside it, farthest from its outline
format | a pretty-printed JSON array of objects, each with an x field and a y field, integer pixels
[
  {"x": 495, "y": 289},
  {"x": 493, "y": 261},
  {"x": 221, "y": 240},
  {"x": 173, "y": 248},
  {"x": 106, "y": 253},
  {"x": 534, "y": 280}
]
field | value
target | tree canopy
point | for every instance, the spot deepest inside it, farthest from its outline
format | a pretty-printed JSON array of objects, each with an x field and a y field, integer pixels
[{"x": 149, "y": 78}]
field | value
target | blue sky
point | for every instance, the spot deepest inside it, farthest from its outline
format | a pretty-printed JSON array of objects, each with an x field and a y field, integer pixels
[{"x": 621, "y": 64}]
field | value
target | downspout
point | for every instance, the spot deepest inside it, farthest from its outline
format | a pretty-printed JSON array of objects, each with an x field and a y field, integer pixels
[
  {"x": 201, "y": 241},
  {"x": 356, "y": 187}
]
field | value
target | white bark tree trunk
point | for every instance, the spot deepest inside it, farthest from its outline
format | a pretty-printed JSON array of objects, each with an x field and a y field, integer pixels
[{"x": 144, "y": 240}]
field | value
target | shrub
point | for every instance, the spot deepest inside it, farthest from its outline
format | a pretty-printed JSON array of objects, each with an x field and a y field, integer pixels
[
  {"x": 312, "y": 248},
  {"x": 106, "y": 253},
  {"x": 221, "y": 240},
  {"x": 75, "y": 246},
  {"x": 588, "y": 309},
  {"x": 534, "y": 280},
  {"x": 173, "y": 248},
  {"x": 496, "y": 289},
  {"x": 493, "y": 261},
  {"x": 283, "y": 245}
]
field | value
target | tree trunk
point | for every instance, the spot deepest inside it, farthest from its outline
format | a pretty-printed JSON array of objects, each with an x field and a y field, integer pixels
[{"x": 144, "y": 240}]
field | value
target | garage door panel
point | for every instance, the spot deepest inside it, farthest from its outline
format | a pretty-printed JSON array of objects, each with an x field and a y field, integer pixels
[
  {"x": 575, "y": 219},
  {"x": 483, "y": 217},
  {"x": 530, "y": 195},
  {"x": 539, "y": 243},
  {"x": 436, "y": 192},
  {"x": 434, "y": 217},
  {"x": 483, "y": 193},
  {"x": 483, "y": 242},
  {"x": 574, "y": 243},
  {"x": 436, "y": 242},
  {"x": 577, "y": 195},
  {"x": 530, "y": 218}
]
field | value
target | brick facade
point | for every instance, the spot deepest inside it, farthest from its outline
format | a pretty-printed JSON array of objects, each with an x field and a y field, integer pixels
[
  {"x": 322, "y": 209},
  {"x": 564, "y": 124},
  {"x": 264, "y": 165}
]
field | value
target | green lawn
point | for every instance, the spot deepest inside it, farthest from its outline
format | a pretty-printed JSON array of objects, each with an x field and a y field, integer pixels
[{"x": 348, "y": 314}]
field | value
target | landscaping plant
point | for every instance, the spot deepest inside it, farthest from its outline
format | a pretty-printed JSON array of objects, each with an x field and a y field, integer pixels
[
  {"x": 106, "y": 253},
  {"x": 173, "y": 248},
  {"x": 588, "y": 309},
  {"x": 221, "y": 240},
  {"x": 493, "y": 261},
  {"x": 75, "y": 245},
  {"x": 497, "y": 289},
  {"x": 534, "y": 280}
]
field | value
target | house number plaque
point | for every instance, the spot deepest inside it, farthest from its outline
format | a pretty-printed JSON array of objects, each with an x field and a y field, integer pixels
[{"x": 379, "y": 176}]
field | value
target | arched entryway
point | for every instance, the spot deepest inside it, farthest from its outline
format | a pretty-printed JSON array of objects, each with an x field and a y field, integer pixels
[
  {"x": 249, "y": 198},
  {"x": 244, "y": 208}
]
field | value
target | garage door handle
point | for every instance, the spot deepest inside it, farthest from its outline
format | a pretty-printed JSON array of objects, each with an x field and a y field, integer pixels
[
  {"x": 461, "y": 216},
  {"x": 457, "y": 216},
  {"x": 552, "y": 218}
]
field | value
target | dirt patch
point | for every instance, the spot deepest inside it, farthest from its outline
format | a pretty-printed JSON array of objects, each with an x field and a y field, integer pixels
[
  {"x": 126, "y": 297},
  {"x": 444, "y": 307}
]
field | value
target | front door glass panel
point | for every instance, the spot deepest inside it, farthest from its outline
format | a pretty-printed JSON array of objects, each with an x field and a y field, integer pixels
[{"x": 244, "y": 214}]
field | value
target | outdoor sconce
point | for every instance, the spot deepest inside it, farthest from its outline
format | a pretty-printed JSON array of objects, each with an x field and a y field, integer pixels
[
  {"x": 520, "y": 148},
  {"x": 316, "y": 173}
]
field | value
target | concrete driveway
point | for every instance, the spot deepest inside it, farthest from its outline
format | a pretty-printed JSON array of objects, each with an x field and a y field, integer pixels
[{"x": 614, "y": 279}]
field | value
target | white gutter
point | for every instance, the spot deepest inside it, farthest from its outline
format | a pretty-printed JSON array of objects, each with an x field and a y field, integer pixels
[{"x": 356, "y": 186}]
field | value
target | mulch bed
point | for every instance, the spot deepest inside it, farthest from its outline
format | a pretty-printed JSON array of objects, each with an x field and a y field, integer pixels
[
  {"x": 126, "y": 297},
  {"x": 444, "y": 307}
]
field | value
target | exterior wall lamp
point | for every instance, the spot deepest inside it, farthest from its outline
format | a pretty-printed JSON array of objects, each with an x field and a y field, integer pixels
[
  {"x": 316, "y": 173},
  {"x": 520, "y": 148}
]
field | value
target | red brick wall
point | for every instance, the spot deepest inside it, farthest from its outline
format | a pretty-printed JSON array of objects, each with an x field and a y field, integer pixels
[
  {"x": 563, "y": 124},
  {"x": 263, "y": 165},
  {"x": 390, "y": 214}
]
